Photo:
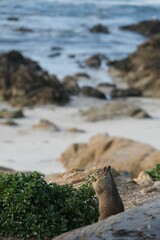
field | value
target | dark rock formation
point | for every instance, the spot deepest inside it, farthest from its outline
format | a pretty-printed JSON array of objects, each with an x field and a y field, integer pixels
[
  {"x": 141, "y": 70},
  {"x": 120, "y": 93},
  {"x": 99, "y": 28},
  {"x": 24, "y": 83},
  {"x": 71, "y": 85},
  {"x": 24, "y": 30},
  {"x": 92, "y": 92},
  {"x": 147, "y": 28},
  {"x": 94, "y": 61}
]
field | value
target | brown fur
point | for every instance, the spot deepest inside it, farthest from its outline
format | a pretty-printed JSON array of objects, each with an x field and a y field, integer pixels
[{"x": 110, "y": 202}]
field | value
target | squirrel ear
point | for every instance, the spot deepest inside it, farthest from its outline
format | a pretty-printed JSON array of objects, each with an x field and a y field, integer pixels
[
  {"x": 109, "y": 168},
  {"x": 105, "y": 169}
]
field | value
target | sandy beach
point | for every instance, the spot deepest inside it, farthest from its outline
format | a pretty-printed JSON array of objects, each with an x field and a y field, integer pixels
[{"x": 25, "y": 148}]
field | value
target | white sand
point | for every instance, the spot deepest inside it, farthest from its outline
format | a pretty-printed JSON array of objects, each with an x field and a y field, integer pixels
[{"x": 25, "y": 148}]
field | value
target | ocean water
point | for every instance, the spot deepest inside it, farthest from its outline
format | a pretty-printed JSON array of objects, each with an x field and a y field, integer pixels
[{"x": 64, "y": 25}]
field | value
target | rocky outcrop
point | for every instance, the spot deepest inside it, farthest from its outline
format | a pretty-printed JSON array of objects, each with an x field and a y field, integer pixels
[
  {"x": 114, "y": 110},
  {"x": 99, "y": 28},
  {"x": 141, "y": 70},
  {"x": 92, "y": 92},
  {"x": 147, "y": 28},
  {"x": 138, "y": 223},
  {"x": 122, "y": 154},
  {"x": 93, "y": 61},
  {"x": 46, "y": 125},
  {"x": 24, "y": 83},
  {"x": 71, "y": 85}
]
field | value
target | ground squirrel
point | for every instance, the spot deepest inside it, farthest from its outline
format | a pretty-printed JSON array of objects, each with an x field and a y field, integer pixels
[{"x": 110, "y": 203}]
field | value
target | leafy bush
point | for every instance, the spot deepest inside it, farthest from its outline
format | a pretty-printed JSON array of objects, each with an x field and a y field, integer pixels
[
  {"x": 155, "y": 172},
  {"x": 32, "y": 209}
]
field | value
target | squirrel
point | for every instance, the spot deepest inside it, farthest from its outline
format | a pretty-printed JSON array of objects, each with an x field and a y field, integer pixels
[{"x": 110, "y": 202}]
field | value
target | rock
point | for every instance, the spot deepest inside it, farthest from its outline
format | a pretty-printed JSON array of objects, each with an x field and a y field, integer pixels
[
  {"x": 56, "y": 54},
  {"x": 71, "y": 55},
  {"x": 46, "y": 125},
  {"x": 92, "y": 92},
  {"x": 99, "y": 29},
  {"x": 24, "y": 30},
  {"x": 5, "y": 170},
  {"x": 82, "y": 75},
  {"x": 93, "y": 61},
  {"x": 12, "y": 18},
  {"x": 75, "y": 130},
  {"x": 4, "y": 113},
  {"x": 56, "y": 48},
  {"x": 71, "y": 85},
  {"x": 140, "y": 70},
  {"x": 122, "y": 154},
  {"x": 144, "y": 179},
  {"x": 114, "y": 110},
  {"x": 148, "y": 28},
  {"x": 119, "y": 93},
  {"x": 9, "y": 123},
  {"x": 141, "y": 222},
  {"x": 107, "y": 85},
  {"x": 126, "y": 186},
  {"x": 24, "y": 83}
]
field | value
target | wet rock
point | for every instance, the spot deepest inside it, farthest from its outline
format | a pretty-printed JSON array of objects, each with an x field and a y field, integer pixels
[
  {"x": 141, "y": 222},
  {"x": 24, "y": 83},
  {"x": 92, "y": 92},
  {"x": 148, "y": 28},
  {"x": 71, "y": 85},
  {"x": 99, "y": 28},
  {"x": 24, "y": 30},
  {"x": 122, "y": 154},
  {"x": 4, "y": 113},
  {"x": 9, "y": 123},
  {"x": 56, "y": 54},
  {"x": 56, "y": 48},
  {"x": 71, "y": 55},
  {"x": 120, "y": 93},
  {"x": 93, "y": 61},
  {"x": 82, "y": 75},
  {"x": 114, "y": 110},
  {"x": 141, "y": 70},
  {"x": 106, "y": 85},
  {"x": 46, "y": 125},
  {"x": 13, "y": 18}
]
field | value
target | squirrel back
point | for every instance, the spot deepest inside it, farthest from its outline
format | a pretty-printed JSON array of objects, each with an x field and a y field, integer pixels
[{"x": 110, "y": 202}]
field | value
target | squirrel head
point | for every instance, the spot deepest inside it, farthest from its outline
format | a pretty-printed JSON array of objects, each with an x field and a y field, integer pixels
[{"x": 101, "y": 172}]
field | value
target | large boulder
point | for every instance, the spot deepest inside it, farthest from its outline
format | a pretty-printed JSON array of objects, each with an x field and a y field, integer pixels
[
  {"x": 141, "y": 70},
  {"x": 141, "y": 222},
  {"x": 23, "y": 82},
  {"x": 114, "y": 110},
  {"x": 147, "y": 27},
  {"x": 123, "y": 154}
]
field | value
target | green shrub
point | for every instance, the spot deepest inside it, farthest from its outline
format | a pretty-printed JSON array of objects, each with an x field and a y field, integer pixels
[
  {"x": 31, "y": 208},
  {"x": 155, "y": 172}
]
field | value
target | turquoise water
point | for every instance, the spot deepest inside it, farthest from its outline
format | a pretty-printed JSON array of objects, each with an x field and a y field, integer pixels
[{"x": 65, "y": 23}]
